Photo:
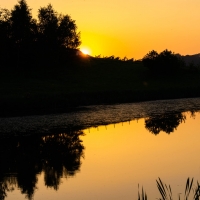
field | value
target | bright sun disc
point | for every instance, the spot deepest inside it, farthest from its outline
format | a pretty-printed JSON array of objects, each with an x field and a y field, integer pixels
[{"x": 85, "y": 51}]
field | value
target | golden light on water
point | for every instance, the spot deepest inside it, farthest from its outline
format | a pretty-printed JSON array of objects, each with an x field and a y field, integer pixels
[{"x": 118, "y": 157}]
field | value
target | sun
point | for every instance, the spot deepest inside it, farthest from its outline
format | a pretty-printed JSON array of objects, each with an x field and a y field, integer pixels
[{"x": 85, "y": 51}]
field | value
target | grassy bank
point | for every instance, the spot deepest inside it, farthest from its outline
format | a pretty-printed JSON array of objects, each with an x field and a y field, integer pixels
[{"x": 51, "y": 89}]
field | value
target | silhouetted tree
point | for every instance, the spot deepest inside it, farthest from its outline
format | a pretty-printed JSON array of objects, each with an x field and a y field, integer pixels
[
  {"x": 24, "y": 41},
  {"x": 67, "y": 32},
  {"x": 5, "y": 26},
  {"x": 5, "y": 35},
  {"x": 150, "y": 60},
  {"x": 23, "y": 33},
  {"x": 48, "y": 26},
  {"x": 164, "y": 63},
  {"x": 57, "y": 30},
  {"x": 22, "y": 24},
  {"x": 168, "y": 61},
  {"x": 57, "y": 35}
]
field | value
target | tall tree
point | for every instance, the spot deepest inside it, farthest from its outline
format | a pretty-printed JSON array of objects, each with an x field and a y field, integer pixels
[
  {"x": 22, "y": 24},
  {"x": 5, "y": 26},
  {"x": 48, "y": 26},
  {"x": 5, "y": 36},
  {"x": 67, "y": 32},
  {"x": 57, "y": 30},
  {"x": 24, "y": 41}
]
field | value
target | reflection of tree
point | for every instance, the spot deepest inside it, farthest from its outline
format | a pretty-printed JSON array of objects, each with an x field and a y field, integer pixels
[
  {"x": 167, "y": 122},
  {"x": 2, "y": 191},
  {"x": 55, "y": 157},
  {"x": 22, "y": 159}
]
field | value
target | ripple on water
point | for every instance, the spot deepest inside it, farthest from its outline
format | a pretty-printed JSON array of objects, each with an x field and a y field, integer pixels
[{"x": 94, "y": 116}]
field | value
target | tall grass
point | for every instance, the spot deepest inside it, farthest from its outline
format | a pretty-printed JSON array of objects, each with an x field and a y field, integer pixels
[
  {"x": 191, "y": 192},
  {"x": 143, "y": 195}
]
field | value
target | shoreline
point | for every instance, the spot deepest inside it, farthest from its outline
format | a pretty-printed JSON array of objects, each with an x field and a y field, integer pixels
[
  {"x": 94, "y": 116},
  {"x": 70, "y": 103}
]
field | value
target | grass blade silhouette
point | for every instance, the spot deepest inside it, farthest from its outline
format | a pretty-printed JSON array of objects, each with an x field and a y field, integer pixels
[
  {"x": 188, "y": 188},
  {"x": 169, "y": 191},
  {"x": 197, "y": 192},
  {"x": 161, "y": 189},
  {"x": 143, "y": 195},
  {"x": 165, "y": 191}
]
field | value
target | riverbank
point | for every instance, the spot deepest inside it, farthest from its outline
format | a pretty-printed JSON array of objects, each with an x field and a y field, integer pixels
[
  {"x": 98, "y": 115},
  {"x": 91, "y": 81}
]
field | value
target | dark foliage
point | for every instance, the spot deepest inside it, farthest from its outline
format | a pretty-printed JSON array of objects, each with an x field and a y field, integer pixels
[
  {"x": 164, "y": 63},
  {"x": 24, "y": 41}
]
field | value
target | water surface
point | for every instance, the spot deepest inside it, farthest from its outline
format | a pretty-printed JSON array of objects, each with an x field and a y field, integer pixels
[{"x": 100, "y": 160}]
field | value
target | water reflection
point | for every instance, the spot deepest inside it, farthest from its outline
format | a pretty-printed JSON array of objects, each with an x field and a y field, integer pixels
[
  {"x": 22, "y": 159},
  {"x": 166, "y": 122},
  {"x": 59, "y": 155}
]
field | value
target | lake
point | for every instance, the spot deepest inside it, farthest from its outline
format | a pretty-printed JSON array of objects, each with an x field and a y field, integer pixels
[{"x": 101, "y": 152}]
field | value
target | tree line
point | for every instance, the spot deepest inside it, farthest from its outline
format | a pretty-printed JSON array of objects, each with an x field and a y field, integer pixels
[
  {"x": 165, "y": 62},
  {"x": 53, "y": 38},
  {"x": 24, "y": 40}
]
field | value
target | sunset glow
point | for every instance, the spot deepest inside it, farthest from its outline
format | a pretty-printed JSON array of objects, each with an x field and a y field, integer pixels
[
  {"x": 85, "y": 51},
  {"x": 130, "y": 28}
]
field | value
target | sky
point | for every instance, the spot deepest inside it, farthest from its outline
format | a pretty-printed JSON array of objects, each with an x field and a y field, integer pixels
[{"x": 130, "y": 28}]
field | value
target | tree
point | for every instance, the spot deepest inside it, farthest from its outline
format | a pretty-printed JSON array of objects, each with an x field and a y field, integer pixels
[
  {"x": 24, "y": 41},
  {"x": 57, "y": 30},
  {"x": 168, "y": 61},
  {"x": 23, "y": 33},
  {"x": 164, "y": 63},
  {"x": 23, "y": 26},
  {"x": 48, "y": 26},
  {"x": 5, "y": 33},
  {"x": 150, "y": 60},
  {"x": 67, "y": 32}
]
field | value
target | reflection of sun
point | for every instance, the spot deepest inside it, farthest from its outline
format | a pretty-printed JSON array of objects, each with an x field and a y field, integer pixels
[{"x": 85, "y": 51}]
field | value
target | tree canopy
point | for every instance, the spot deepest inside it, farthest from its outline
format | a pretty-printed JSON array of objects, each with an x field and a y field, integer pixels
[
  {"x": 57, "y": 29},
  {"x": 22, "y": 23},
  {"x": 164, "y": 63},
  {"x": 24, "y": 39}
]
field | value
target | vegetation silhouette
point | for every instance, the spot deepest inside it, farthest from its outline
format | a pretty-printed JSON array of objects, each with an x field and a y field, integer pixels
[
  {"x": 25, "y": 41},
  {"x": 165, "y": 63},
  {"x": 113, "y": 58},
  {"x": 166, "y": 191},
  {"x": 41, "y": 73},
  {"x": 166, "y": 122},
  {"x": 23, "y": 158}
]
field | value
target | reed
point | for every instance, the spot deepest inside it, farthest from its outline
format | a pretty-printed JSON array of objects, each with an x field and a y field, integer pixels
[
  {"x": 191, "y": 191},
  {"x": 143, "y": 195}
]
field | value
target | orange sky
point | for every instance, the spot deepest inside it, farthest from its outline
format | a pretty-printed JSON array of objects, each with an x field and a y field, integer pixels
[{"x": 130, "y": 28}]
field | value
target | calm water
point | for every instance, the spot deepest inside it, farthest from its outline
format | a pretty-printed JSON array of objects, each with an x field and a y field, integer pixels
[{"x": 110, "y": 151}]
